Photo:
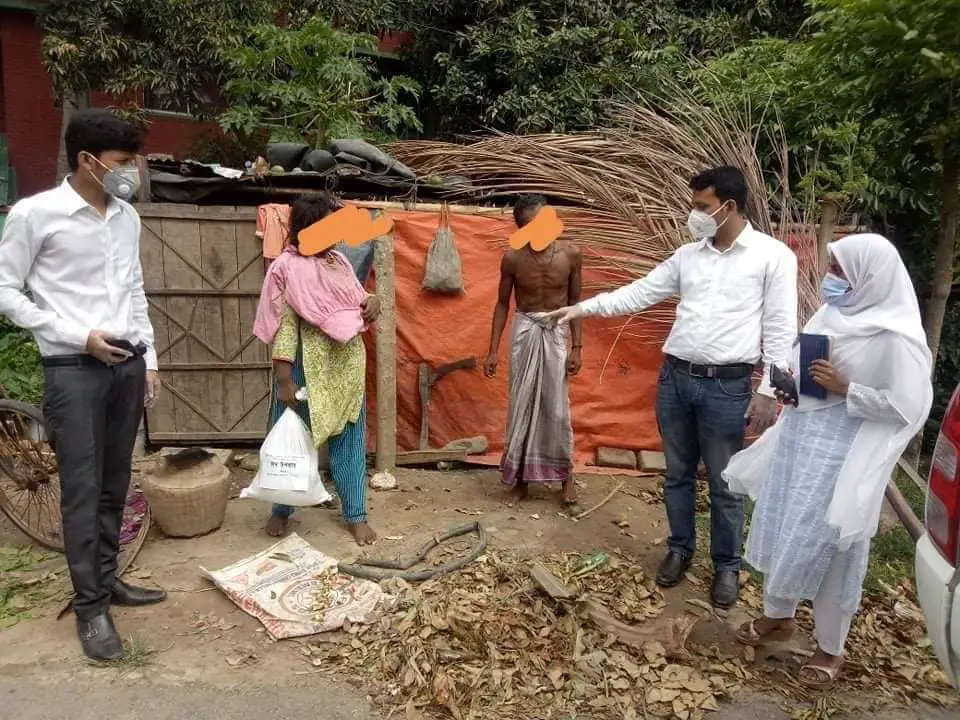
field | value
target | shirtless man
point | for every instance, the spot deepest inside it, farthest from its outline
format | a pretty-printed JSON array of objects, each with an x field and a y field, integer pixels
[{"x": 539, "y": 440}]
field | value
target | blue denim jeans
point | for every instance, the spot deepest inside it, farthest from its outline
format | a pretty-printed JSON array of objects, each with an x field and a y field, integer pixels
[{"x": 702, "y": 418}]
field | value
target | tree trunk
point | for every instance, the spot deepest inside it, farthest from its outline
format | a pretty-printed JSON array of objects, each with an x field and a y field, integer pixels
[
  {"x": 943, "y": 270},
  {"x": 71, "y": 104},
  {"x": 828, "y": 220}
]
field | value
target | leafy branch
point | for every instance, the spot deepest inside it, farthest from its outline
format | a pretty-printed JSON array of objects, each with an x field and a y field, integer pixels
[{"x": 312, "y": 83}]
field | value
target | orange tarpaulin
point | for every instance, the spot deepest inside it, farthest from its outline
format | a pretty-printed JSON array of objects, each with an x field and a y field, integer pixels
[{"x": 616, "y": 411}]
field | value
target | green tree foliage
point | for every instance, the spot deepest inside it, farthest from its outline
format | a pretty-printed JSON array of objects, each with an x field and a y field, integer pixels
[
  {"x": 895, "y": 59},
  {"x": 313, "y": 82},
  {"x": 898, "y": 63},
  {"x": 867, "y": 96},
  {"x": 832, "y": 149},
  {"x": 542, "y": 65},
  {"x": 528, "y": 65},
  {"x": 173, "y": 48}
]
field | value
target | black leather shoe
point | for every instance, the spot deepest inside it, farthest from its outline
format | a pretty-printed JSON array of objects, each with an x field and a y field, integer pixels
[
  {"x": 99, "y": 638},
  {"x": 726, "y": 589},
  {"x": 671, "y": 570},
  {"x": 132, "y": 596}
]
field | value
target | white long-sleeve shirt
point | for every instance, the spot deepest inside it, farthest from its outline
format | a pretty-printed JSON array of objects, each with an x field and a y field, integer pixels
[
  {"x": 736, "y": 306},
  {"x": 82, "y": 270}
]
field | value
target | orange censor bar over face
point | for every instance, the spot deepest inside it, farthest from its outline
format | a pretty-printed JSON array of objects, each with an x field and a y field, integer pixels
[
  {"x": 539, "y": 232},
  {"x": 351, "y": 224}
]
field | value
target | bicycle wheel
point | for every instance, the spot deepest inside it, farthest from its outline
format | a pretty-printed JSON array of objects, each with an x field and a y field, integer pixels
[{"x": 29, "y": 483}]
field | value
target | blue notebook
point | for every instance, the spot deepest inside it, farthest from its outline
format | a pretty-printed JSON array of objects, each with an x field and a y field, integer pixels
[{"x": 812, "y": 347}]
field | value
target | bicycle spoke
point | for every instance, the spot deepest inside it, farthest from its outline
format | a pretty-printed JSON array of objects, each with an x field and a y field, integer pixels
[{"x": 29, "y": 485}]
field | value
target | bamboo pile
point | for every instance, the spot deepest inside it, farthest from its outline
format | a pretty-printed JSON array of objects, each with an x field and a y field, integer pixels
[{"x": 623, "y": 190}]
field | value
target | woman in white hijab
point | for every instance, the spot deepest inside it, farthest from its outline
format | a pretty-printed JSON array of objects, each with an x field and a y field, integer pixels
[{"x": 818, "y": 476}]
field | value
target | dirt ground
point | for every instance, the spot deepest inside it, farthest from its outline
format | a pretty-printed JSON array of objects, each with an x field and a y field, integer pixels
[{"x": 204, "y": 644}]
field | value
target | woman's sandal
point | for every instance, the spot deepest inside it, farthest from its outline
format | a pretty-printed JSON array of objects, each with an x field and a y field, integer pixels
[
  {"x": 747, "y": 635},
  {"x": 822, "y": 678}
]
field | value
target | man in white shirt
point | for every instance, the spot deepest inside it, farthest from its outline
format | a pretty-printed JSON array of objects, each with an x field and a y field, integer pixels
[
  {"x": 76, "y": 248},
  {"x": 738, "y": 306}
]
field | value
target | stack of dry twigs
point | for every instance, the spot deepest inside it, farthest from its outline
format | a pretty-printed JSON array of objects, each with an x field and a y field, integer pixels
[{"x": 624, "y": 187}]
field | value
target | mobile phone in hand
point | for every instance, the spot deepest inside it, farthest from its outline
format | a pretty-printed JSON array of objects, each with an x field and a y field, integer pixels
[
  {"x": 784, "y": 382},
  {"x": 124, "y": 345}
]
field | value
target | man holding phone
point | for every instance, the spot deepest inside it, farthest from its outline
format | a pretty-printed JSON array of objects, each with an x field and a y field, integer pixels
[
  {"x": 76, "y": 248},
  {"x": 738, "y": 306}
]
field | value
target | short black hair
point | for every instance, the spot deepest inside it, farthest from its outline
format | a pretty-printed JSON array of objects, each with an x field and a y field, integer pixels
[
  {"x": 728, "y": 183},
  {"x": 307, "y": 210},
  {"x": 526, "y": 208},
  {"x": 97, "y": 131}
]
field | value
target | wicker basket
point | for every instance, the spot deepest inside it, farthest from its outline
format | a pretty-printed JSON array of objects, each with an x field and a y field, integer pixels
[{"x": 188, "y": 493}]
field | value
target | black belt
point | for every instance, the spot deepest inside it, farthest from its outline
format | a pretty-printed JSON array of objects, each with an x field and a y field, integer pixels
[
  {"x": 84, "y": 360},
  {"x": 723, "y": 372}
]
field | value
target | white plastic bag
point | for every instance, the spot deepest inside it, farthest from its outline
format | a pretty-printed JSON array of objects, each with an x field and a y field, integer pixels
[
  {"x": 749, "y": 468},
  {"x": 288, "y": 472}
]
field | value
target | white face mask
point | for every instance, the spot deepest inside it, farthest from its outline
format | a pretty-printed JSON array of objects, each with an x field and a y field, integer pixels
[
  {"x": 121, "y": 182},
  {"x": 702, "y": 225}
]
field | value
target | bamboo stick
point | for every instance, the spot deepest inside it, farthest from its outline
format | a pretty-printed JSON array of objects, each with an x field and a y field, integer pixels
[{"x": 493, "y": 210}]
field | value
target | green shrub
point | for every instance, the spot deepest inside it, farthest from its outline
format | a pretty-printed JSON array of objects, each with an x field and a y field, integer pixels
[{"x": 21, "y": 372}]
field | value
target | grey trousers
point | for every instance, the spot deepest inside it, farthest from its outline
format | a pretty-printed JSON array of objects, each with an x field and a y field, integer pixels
[{"x": 92, "y": 414}]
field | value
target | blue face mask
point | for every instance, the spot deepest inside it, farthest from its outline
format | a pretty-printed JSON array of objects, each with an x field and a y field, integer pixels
[{"x": 835, "y": 290}]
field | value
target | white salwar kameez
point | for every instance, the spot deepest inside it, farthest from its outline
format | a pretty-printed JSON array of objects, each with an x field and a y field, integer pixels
[
  {"x": 797, "y": 551},
  {"x": 819, "y": 474}
]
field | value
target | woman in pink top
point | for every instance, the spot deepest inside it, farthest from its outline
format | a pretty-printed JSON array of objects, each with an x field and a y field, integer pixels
[{"x": 313, "y": 311}]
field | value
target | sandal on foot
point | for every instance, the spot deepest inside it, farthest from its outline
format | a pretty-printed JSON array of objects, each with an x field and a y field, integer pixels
[
  {"x": 748, "y": 635},
  {"x": 822, "y": 678}
]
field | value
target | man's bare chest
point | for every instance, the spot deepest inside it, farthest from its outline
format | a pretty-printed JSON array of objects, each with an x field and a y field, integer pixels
[{"x": 535, "y": 274}]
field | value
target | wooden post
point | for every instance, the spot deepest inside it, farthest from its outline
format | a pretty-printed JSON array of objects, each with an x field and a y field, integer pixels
[
  {"x": 903, "y": 510},
  {"x": 828, "y": 220},
  {"x": 144, "y": 193},
  {"x": 386, "y": 336}
]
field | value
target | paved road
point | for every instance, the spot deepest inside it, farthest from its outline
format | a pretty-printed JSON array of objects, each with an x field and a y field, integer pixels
[
  {"x": 77, "y": 700},
  {"x": 87, "y": 699}
]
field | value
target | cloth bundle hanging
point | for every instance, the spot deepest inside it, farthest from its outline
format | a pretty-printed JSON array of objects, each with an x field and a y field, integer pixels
[{"x": 443, "y": 272}]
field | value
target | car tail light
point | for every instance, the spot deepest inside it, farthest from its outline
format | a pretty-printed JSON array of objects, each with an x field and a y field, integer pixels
[{"x": 943, "y": 491}]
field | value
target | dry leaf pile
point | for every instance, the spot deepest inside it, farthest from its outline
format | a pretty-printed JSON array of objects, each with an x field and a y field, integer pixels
[
  {"x": 323, "y": 595},
  {"x": 485, "y": 643},
  {"x": 622, "y": 586},
  {"x": 890, "y": 653}
]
